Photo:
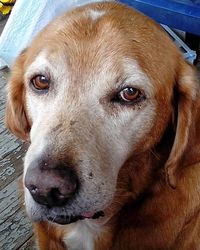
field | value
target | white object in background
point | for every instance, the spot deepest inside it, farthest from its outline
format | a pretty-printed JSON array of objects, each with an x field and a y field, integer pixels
[
  {"x": 188, "y": 54},
  {"x": 27, "y": 18}
]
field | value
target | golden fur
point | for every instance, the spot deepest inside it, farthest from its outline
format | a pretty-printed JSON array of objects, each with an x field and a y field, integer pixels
[{"x": 157, "y": 198}]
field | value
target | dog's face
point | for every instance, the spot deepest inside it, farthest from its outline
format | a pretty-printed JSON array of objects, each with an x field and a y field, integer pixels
[{"x": 95, "y": 89}]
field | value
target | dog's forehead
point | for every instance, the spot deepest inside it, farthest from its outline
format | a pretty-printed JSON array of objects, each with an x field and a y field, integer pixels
[
  {"x": 87, "y": 57},
  {"x": 89, "y": 32},
  {"x": 94, "y": 41},
  {"x": 107, "y": 75}
]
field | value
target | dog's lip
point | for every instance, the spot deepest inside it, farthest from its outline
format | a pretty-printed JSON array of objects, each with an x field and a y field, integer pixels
[{"x": 66, "y": 219}]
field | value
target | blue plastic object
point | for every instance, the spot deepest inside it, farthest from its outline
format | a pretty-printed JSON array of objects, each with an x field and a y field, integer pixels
[{"x": 180, "y": 14}]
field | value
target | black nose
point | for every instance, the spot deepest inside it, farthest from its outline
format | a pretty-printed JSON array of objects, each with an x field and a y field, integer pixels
[{"x": 51, "y": 185}]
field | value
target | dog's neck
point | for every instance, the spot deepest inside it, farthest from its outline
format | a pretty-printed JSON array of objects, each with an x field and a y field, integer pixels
[{"x": 82, "y": 235}]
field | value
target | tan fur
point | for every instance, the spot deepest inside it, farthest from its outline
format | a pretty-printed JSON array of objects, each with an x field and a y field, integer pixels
[
  {"x": 48, "y": 237},
  {"x": 16, "y": 119},
  {"x": 157, "y": 198}
]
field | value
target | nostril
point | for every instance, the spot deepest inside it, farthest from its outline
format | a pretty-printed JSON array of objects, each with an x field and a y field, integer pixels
[
  {"x": 33, "y": 189},
  {"x": 55, "y": 193},
  {"x": 57, "y": 197}
]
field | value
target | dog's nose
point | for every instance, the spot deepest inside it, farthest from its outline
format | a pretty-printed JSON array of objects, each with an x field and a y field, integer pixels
[{"x": 51, "y": 186}]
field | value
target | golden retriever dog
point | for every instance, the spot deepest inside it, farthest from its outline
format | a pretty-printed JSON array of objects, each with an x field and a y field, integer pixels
[{"x": 112, "y": 113}]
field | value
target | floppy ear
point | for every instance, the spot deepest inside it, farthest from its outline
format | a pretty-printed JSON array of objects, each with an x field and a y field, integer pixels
[
  {"x": 15, "y": 117},
  {"x": 186, "y": 121}
]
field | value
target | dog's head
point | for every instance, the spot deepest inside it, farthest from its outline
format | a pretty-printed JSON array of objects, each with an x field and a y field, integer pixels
[{"x": 94, "y": 89}]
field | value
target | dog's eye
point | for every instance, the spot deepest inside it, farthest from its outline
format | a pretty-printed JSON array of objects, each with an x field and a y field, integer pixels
[
  {"x": 129, "y": 94},
  {"x": 40, "y": 82}
]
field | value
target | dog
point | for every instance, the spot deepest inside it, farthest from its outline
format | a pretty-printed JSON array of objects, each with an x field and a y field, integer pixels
[{"x": 111, "y": 111}]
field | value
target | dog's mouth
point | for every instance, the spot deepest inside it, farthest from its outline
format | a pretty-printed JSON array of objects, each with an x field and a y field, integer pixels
[{"x": 65, "y": 219}]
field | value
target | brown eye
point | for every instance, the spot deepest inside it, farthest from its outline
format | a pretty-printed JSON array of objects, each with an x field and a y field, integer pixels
[
  {"x": 129, "y": 94},
  {"x": 40, "y": 82}
]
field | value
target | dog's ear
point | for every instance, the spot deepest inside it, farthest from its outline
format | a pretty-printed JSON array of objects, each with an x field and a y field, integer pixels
[
  {"x": 15, "y": 117},
  {"x": 186, "y": 115}
]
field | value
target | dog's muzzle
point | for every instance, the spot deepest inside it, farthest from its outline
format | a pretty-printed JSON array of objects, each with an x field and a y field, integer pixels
[{"x": 54, "y": 187}]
